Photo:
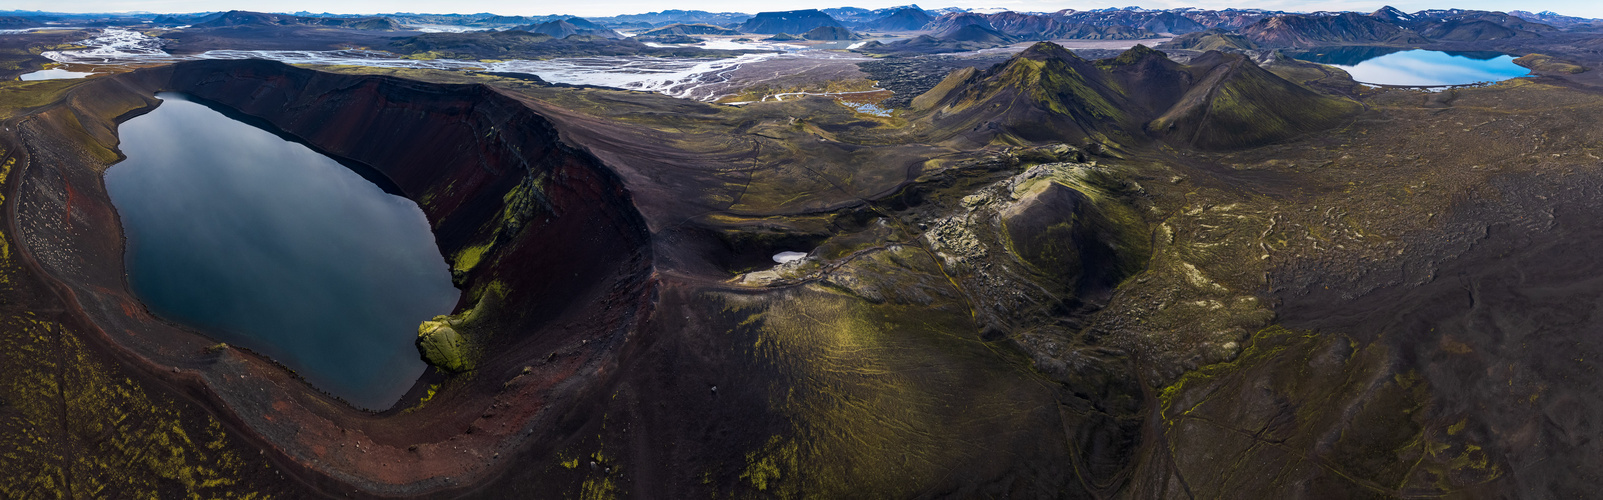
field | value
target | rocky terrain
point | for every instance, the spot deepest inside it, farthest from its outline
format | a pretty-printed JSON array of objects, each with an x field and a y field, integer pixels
[
  {"x": 1038, "y": 274},
  {"x": 909, "y": 77}
]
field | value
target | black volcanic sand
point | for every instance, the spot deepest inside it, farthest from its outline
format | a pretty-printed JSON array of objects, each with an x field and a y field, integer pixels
[{"x": 1505, "y": 337}]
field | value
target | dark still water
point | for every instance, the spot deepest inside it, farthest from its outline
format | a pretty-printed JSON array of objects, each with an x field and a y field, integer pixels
[{"x": 266, "y": 244}]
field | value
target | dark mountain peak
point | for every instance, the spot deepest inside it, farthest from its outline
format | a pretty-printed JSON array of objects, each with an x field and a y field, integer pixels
[
  {"x": 829, "y": 33},
  {"x": 1392, "y": 14},
  {"x": 1211, "y": 39},
  {"x": 790, "y": 21},
  {"x": 563, "y": 29},
  {"x": 582, "y": 23},
  {"x": 954, "y": 20},
  {"x": 1137, "y": 54},
  {"x": 690, "y": 29},
  {"x": 975, "y": 33},
  {"x": 902, "y": 19},
  {"x": 1043, "y": 51},
  {"x": 1296, "y": 30}
]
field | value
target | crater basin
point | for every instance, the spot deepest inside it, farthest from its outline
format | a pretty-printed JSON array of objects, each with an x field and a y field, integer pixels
[{"x": 263, "y": 243}]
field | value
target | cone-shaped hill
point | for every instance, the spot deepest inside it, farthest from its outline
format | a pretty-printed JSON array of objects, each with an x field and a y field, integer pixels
[
  {"x": 1044, "y": 93},
  {"x": 1236, "y": 103},
  {"x": 1047, "y": 93}
]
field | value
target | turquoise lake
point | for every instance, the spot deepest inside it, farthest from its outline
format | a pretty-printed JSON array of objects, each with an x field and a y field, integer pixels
[
  {"x": 266, "y": 244},
  {"x": 1388, "y": 66}
]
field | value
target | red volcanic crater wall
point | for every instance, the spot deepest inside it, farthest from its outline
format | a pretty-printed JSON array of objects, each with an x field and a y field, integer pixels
[{"x": 566, "y": 271}]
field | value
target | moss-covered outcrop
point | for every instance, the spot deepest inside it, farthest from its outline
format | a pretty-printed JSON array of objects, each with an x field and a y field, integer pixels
[
  {"x": 442, "y": 347},
  {"x": 1543, "y": 63}
]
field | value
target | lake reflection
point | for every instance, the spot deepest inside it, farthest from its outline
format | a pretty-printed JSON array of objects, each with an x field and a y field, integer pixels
[
  {"x": 53, "y": 74},
  {"x": 1389, "y": 66},
  {"x": 266, "y": 244}
]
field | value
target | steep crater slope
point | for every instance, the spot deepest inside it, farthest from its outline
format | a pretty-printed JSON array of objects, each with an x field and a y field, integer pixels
[{"x": 543, "y": 239}]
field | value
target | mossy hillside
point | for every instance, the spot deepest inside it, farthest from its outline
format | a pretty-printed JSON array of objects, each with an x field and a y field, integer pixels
[
  {"x": 1072, "y": 225},
  {"x": 1365, "y": 420},
  {"x": 519, "y": 206},
  {"x": 17, "y": 97},
  {"x": 869, "y": 390},
  {"x": 1063, "y": 89},
  {"x": 455, "y": 343},
  {"x": 1238, "y": 104},
  {"x": 1543, "y": 63},
  {"x": 1134, "y": 55},
  {"x": 77, "y": 425},
  {"x": 1054, "y": 79},
  {"x": 1259, "y": 109},
  {"x": 1046, "y": 93},
  {"x": 954, "y": 81},
  {"x": 1038, "y": 252}
]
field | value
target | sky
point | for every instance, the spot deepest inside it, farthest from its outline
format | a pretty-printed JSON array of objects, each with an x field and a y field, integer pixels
[{"x": 598, "y": 8}]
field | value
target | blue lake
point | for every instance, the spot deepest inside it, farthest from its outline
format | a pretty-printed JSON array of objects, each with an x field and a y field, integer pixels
[
  {"x": 1386, "y": 66},
  {"x": 266, "y": 244}
]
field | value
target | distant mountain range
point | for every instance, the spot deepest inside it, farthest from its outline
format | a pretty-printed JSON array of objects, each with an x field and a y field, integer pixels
[
  {"x": 1389, "y": 25},
  {"x": 570, "y": 27},
  {"x": 946, "y": 27},
  {"x": 794, "y": 21},
  {"x": 244, "y": 18}
]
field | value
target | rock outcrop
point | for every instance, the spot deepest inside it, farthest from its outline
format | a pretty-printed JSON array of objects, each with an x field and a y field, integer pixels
[{"x": 442, "y": 347}]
